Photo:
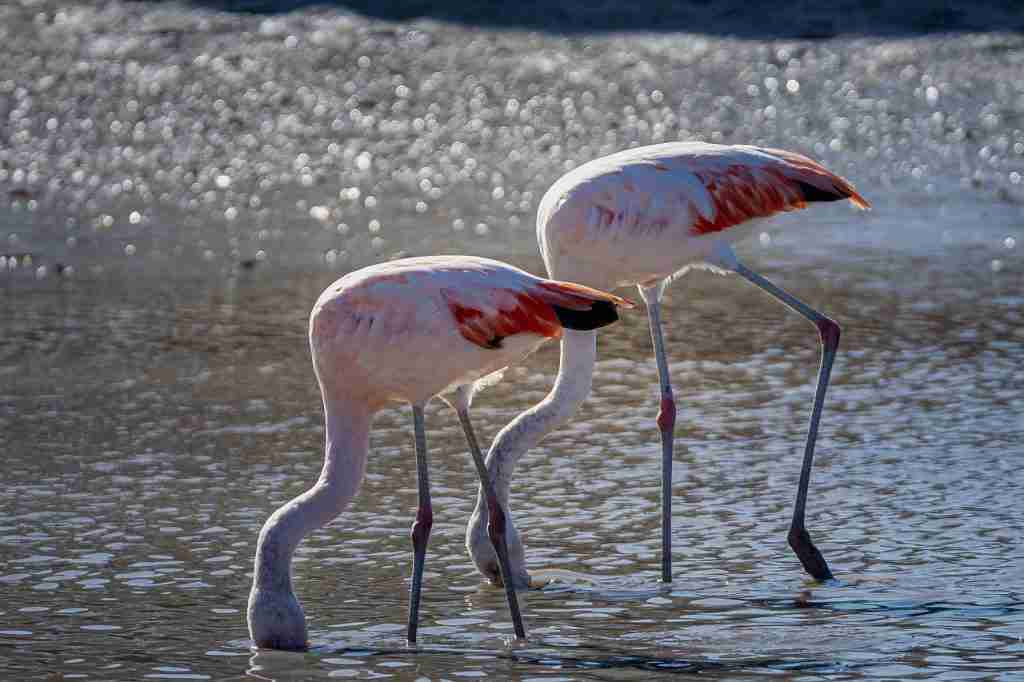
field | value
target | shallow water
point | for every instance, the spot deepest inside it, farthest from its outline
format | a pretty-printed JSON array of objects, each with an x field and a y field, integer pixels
[
  {"x": 144, "y": 454},
  {"x": 157, "y": 402}
]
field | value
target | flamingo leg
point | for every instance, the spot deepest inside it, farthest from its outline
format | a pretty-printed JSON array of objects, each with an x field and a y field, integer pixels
[
  {"x": 495, "y": 523},
  {"x": 421, "y": 527},
  {"x": 666, "y": 425},
  {"x": 828, "y": 331}
]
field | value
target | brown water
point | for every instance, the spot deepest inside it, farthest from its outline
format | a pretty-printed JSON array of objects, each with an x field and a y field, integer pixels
[{"x": 157, "y": 400}]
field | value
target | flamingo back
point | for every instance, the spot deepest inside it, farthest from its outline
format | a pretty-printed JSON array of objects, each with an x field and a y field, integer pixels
[
  {"x": 645, "y": 213},
  {"x": 486, "y": 316},
  {"x": 412, "y": 328}
]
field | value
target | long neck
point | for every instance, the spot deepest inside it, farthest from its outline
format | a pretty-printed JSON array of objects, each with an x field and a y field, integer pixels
[
  {"x": 572, "y": 386},
  {"x": 348, "y": 432}
]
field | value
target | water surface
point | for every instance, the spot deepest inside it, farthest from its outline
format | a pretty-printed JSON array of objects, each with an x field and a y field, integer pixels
[{"x": 157, "y": 400}]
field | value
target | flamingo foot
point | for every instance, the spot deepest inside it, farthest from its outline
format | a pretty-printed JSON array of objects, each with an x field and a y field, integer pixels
[
  {"x": 482, "y": 550},
  {"x": 811, "y": 558}
]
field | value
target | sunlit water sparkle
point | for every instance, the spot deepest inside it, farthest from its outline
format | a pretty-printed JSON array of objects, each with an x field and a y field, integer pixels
[{"x": 157, "y": 402}]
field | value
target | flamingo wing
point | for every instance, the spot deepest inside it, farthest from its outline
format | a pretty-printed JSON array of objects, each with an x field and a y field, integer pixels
[
  {"x": 757, "y": 183},
  {"x": 714, "y": 186},
  {"x": 486, "y": 316}
]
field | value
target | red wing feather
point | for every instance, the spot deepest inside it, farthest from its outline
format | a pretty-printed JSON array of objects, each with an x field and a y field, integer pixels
[
  {"x": 507, "y": 312},
  {"x": 515, "y": 312},
  {"x": 820, "y": 177},
  {"x": 742, "y": 192}
]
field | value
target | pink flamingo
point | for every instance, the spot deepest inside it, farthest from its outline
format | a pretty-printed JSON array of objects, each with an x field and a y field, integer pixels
[
  {"x": 408, "y": 330},
  {"x": 644, "y": 216}
]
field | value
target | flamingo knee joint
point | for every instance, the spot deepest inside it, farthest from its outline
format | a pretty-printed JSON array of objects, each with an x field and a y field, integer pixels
[
  {"x": 829, "y": 331},
  {"x": 667, "y": 414}
]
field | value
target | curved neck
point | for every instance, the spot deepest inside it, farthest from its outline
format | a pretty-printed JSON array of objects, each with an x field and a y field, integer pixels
[
  {"x": 348, "y": 441},
  {"x": 572, "y": 386}
]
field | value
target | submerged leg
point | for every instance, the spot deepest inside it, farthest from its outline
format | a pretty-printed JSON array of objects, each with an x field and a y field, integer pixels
[
  {"x": 495, "y": 524},
  {"x": 421, "y": 527},
  {"x": 828, "y": 332},
  {"x": 666, "y": 425},
  {"x": 572, "y": 386}
]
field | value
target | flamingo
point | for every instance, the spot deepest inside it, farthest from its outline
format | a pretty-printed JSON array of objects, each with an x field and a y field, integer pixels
[
  {"x": 407, "y": 330},
  {"x": 643, "y": 217}
]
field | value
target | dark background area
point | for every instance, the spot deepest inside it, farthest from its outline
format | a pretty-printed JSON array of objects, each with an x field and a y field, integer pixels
[{"x": 799, "y": 19}]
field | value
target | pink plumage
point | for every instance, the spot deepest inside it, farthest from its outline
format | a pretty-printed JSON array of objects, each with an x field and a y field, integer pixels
[
  {"x": 413, "y": 328},
  {"x": 406, "y": 330},
  {"x": 642, "y": 214},
  {"x": 531, "y": 309},
  {"x": 640, "y": 217},
  {"x": 741, "y": 192}
]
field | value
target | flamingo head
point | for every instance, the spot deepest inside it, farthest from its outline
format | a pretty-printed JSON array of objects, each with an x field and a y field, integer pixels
[{"x": 276, "y": 620}]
